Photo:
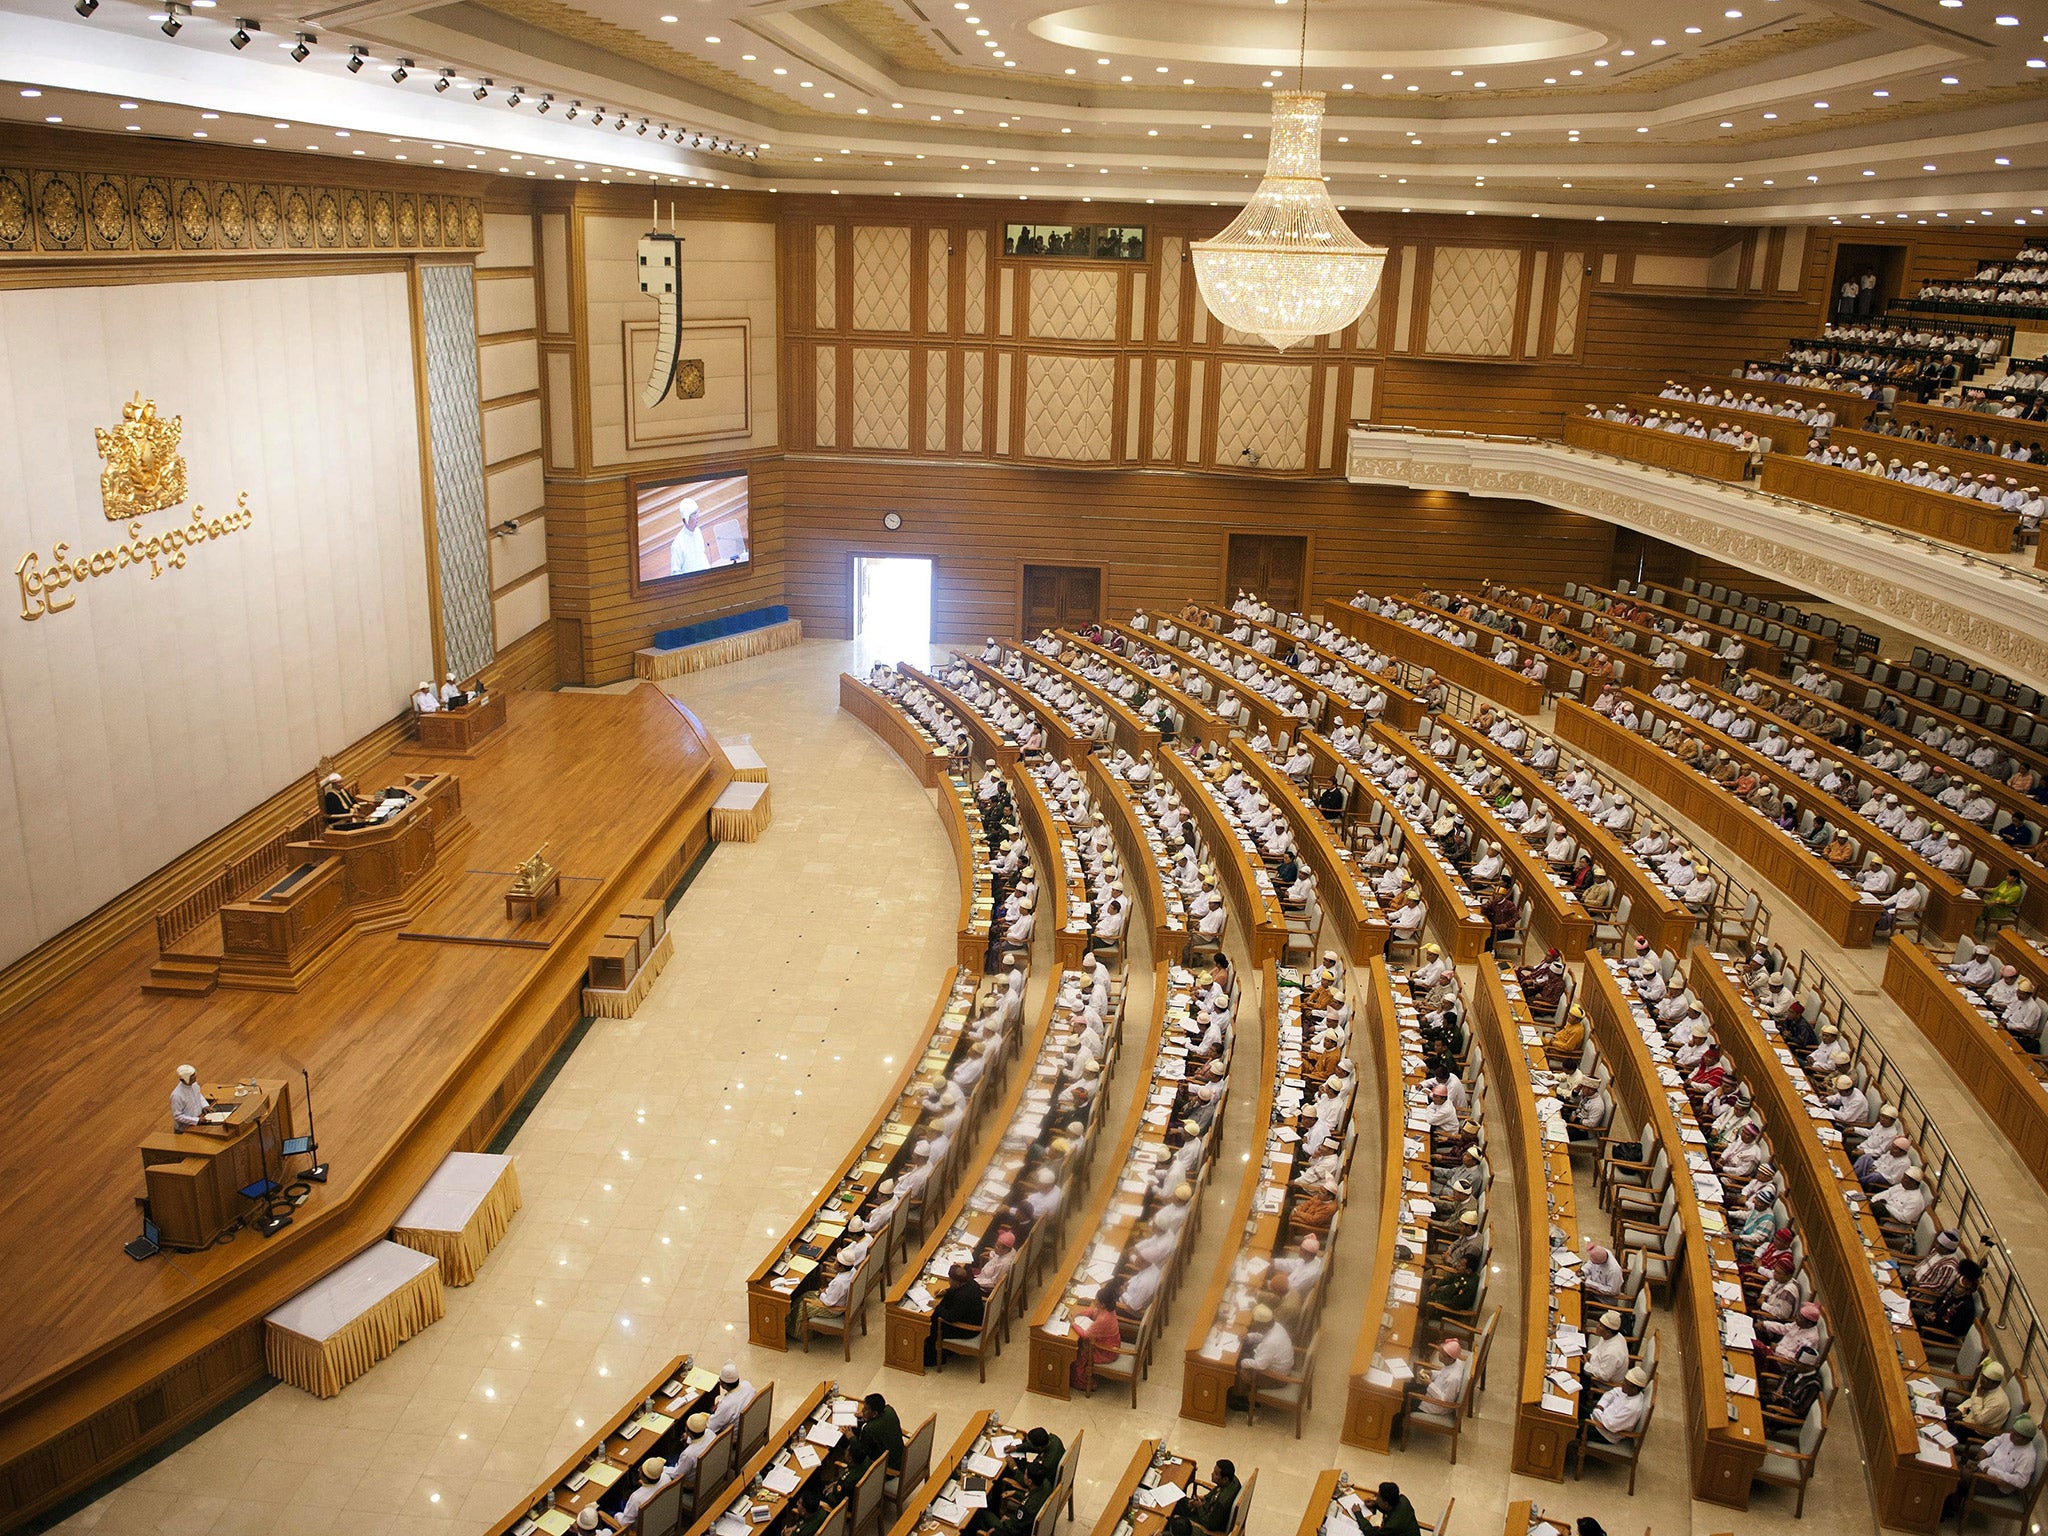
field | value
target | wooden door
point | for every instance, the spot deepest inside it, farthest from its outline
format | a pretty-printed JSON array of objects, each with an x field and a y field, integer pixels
[
  {"x": 1274, "y": 565},
  {"x": 1060, "y": 597}
]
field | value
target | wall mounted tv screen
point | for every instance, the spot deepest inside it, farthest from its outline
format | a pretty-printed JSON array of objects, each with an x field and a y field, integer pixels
[{"x": 682, "y": 527}]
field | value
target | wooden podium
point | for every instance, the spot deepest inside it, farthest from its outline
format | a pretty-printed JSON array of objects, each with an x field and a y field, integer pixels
[
  {"x": 195, "y": 1178},
  {"x": 461, "y": 732}
]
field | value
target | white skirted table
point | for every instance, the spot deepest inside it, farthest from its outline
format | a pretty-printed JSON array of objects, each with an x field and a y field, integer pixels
[
  {"x": 337, "y": 1328},
  {"x": 746, "y": 762},
  {"x": 740, "y": 814},
  {"x": 460, "y": 1215}
]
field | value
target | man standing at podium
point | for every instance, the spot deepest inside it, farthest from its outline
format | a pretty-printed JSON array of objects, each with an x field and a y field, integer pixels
[{"x": 188, "y": 1100}]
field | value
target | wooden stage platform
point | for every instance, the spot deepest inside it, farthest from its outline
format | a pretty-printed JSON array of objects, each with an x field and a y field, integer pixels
[{"x": 419, "y": 1043}]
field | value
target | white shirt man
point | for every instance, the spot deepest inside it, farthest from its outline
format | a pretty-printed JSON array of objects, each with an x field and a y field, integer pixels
[
  {"x": 188, "y": 1100},
  {"x": 736, "y": 1396},
  {"x": 1620, "y": 1410},
  {"x": 1446, "y": 1384},
  {"x": 424, "y": 701}
]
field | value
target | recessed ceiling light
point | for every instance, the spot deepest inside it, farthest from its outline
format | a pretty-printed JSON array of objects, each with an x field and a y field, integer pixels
[
  {"x": 1657, "y": 42},
  {"x": 1733, "y": 15},
  {"x": 31, "y": 95},
  {"x": 1950, "y": 80},
  {"x": 780, "y": 70},
  {"x": 2007, "y": 21},
  {"x": 749, "y": 57},
  {"x": 1820, "y": 106},
  {"x": 712, "y": 39},
  {"x": 1692, "y": 31},
  {"x": 2001, "y": 160},
  {"x": 1770, "y": 117}
]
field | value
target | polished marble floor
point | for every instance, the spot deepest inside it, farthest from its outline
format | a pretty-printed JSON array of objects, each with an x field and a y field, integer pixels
[{"x": 673, "y": 1147}]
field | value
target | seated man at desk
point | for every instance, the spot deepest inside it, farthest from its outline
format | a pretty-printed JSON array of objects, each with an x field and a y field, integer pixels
[
  {"x": 336, "y": 803},
  {"x": 453, "y": 695},
  {"x": 189, "y": 1103},
  {"x": 424, "y": 700},
  {"x": 1211, "y": 1511}
]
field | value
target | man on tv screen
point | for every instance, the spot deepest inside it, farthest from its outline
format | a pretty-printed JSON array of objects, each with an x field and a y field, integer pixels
[{"x": 686, "y": 552}]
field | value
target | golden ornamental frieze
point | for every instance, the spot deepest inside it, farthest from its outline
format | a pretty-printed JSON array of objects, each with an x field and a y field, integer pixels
[{"x": 94, "y": 213}]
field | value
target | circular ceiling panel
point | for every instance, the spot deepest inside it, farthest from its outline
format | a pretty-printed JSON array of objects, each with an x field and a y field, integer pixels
[{"x": 1343, "y": 34}]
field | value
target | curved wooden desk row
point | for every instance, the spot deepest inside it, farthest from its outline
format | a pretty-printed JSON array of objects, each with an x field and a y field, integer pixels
[
  {"x": 1199, "y": 722},
  {"x": 1403, "y": 708},
  {"x": 1061, "y": 873},
  {"x": 1148, "y": 865},
  {"x": 1840, "y": 1247},
  {"x": 989, "y": 740},
  {"x": 1454, "y": 915},
  {"x": 1653, "y": 911},
  {"x": 989, "y": 745},
  {"x": 922, "y": 753},
  {"x": 1393, "y": 1300},
  {"x": 1725, "y": 1430},
  {"x": 1787, "y": 434},
  {"x": 1565, "y": 674},
  {"x": 1559, "y": 918},
  {"x": 1104, "y": 1231},
  {"x": 1652, "y": 445},
  {"x": 1546, "y": 1423},
  {"x": 1981, "y": 841},
  {"x": 1041, "y": 671},
  {"x": 1909, "y": 452},
  {"x": 1330, "y": 709},
  {"x": 1341, "y": 889},
  {"x": 824, "y": 1404},
  {"x": 1151, "y": 1464},
  {"x": 994, "y": 1175},
  {"x": 1832, "y": 901},
  {"x": 880, "y": 1153},
  {"x": 1937, "y": 514},
  {"x": 1253, "y": 707},
  {"x": 1062, "y": 740},
  {"x": 674, "y": 1401},
  {"x": 2007, "y": 1083},
  {"x": 1952, "y": 906},
  {"x": 1864, "y": 695},
  {"x": 1759, "y": 653},
  {"x": 1850, "y": 410},
  {"x": 1453, "y": 663},
  {"x": 2019, "y": 807},
  {"x": 1584, "y": 623},
  {"x": 1239, "y": 865},
  {"x": 960, "y": 812},
  {"x": 1219, "y": 1328}
]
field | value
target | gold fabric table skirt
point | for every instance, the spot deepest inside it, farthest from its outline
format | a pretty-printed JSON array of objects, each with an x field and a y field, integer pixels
[
  {"x": 741, "y": 814},
  {"x": 462, "y": 1213},
  {"x": 327, "y": 1336},
  {"x": 656, "y": 664}
]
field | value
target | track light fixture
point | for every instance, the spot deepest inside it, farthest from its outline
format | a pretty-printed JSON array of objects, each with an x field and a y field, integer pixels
[
  {"x": 86, "y": 7},
  {"x": 356, "y": 54},
  {"x": 302, "y": 47},
  {"x": 517, "y": 95},
  {"x": 642, "y": 129},
  {"x": 483, "y": 89},
  {"x": 545, "y": 103},
  {"x": 574, "y": 108},
  {"x": 239, "y": 38},
  {"x": 619, "y": 123},
  {"x": 447, "y": 79},
  {"x": 171, "y": 21},
  {"x": 399, "y": 74},
  {"x": 597, "y": 118}
]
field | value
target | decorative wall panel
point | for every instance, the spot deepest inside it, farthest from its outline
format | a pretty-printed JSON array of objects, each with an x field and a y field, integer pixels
[
  {"x": 1571, "y": 277},
  {"x": 1472, "y": 293},
  {"x": 455, "y": 431},
  {"x": 937, "y": 270},
  {"x": 826, "y": 401},
  {"x": 1006, "y": 301},
  {"x": 1263, "y": 408},
  {"x": 1168, "y": 328},
  {"x": 62, "y": 212},
  {"x": 825, "y": 277},
  {"x": 1073, "y": 303},
  {"x": 881, "y": 278},
  {"x": 935, "y": 402},
  {"x": 1532, "y": 340},
  {"x": 973, "y": 401},
  {"x": 1069, "y": 405},
  {"x": 881, "y": 398},
  {"x": 974, "y": 292},
  {"x": 1164, "y": 373}
]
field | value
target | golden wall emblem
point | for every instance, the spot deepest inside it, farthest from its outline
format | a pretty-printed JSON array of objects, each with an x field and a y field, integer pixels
[{"x": 145, "y": 472}]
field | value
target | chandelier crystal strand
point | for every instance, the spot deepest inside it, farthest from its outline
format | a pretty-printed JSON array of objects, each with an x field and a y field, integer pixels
[{"x": 1288, "y": 267}]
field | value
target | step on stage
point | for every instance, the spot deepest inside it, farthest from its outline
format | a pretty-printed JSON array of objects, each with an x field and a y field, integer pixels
[{"x": 420, "y": 1041}]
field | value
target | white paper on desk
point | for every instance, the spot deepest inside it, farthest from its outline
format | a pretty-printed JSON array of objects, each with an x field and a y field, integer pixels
[
  {"x": 805, "y": 1457},
  {"x": 1897, "y": 1308},
  {"x": 731, "y": 1525},
  {"x": 1058, "y": 1327},
  {"x": 1399, "y": 1368},
  {"x": 985, "y": 1466},
  {"x": 1935, "y": 1456},
  {"x": 1375, "y": 1377},
  {"x": 1569, "y": 1339},
  {"x": 1938, "y": 1435},
  {"x": 1737, "y": 1330},
  {"x": 1563, "y": 1258},
  {"x": 947, "y": 1511},
  {"x": 970, "y": 1498},
  {"x": 1741, "y": 1386},
  {"x": 1552, "y": 1403},
  {"x": 781, "y": 1482},
  {"x": 920, "y": 1298},
  {"x": 1164, "y": 1496},
  {"x": 824, "y": 1436},
  {"x": 1565, "y": 1383},
  {"x": 1287, "y": 1133},
  {"x": 1727, "y": 1291}
]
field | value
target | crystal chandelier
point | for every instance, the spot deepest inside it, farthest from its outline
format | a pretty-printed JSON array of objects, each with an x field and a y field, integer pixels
[{"x": 1289, "y": 267}]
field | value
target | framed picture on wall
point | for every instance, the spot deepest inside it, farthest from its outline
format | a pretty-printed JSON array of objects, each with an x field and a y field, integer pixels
[{"x": 688, "y": 526}]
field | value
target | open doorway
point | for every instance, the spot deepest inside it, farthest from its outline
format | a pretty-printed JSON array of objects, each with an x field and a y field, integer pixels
[
  {"x": 1867, "y": 278},
  {"x": 892, "y": 609}
]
